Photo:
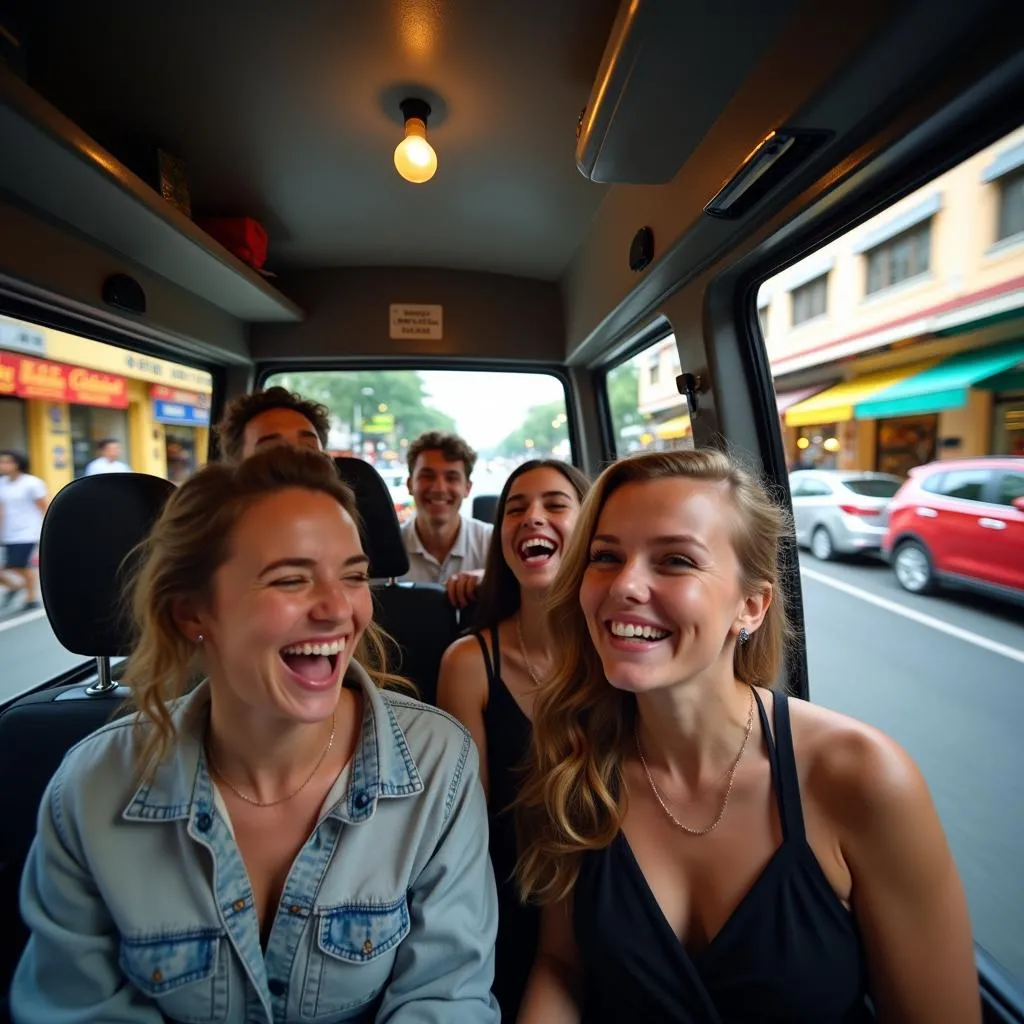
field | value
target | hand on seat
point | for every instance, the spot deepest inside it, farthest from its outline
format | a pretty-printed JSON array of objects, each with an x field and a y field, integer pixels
[{"x": 462, "y": 587}]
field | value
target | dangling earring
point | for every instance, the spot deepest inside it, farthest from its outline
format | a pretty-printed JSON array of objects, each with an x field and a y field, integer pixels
[{"x": 744, "y": 636}]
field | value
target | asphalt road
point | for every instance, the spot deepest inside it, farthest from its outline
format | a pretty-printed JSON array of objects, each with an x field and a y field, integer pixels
[{"x": 944, "y": 677}]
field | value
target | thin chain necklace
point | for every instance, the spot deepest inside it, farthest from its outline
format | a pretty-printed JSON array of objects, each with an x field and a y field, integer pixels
[
  {"x": 732, "y": 775},
  {"x": 522, "y": 650},
  {"x": 271, "y": 803}
]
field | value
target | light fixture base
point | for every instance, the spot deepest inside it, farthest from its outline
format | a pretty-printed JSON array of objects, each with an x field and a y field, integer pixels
[{"x": 412, "y": 106}]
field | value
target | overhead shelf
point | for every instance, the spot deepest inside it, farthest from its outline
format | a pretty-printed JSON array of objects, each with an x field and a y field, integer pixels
[{"x": 49, "y": 162}]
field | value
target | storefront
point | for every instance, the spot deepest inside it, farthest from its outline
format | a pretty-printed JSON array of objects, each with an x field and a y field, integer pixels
[
  {"x": 54, "y": 416},
  {"x": 818, "y": 446},
  {"x": 61, "y": 393},
  {"x": 904, "y": 442},
  {"x": 13, "y": 427},
  {"x": 89, "y": 426},
  {"x": 185, "y": 416},
  {"x": 961, "y": 407},
  {"x": 832, "y": 432},
  {"x": 1008, "y": 424}
]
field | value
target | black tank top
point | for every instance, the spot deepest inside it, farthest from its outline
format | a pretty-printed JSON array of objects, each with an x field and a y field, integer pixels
[
  {"x": 508, "y": 743},
  {"x": 789, "y": 954}
]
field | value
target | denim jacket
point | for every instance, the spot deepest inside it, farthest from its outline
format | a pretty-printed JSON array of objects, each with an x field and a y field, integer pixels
[{"x": 140, "y": 908}]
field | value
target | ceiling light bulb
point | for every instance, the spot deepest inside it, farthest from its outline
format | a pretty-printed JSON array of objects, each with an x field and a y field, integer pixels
[{"x": 415, "y": 159}]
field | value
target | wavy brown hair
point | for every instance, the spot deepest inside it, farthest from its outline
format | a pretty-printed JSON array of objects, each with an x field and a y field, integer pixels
[
  {"x": 190, "y": 541},
  {"x": 572, "y": 798}
]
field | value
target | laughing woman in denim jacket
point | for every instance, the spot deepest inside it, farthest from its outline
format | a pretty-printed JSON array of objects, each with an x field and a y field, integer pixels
[{"x": 286, "y": 842}]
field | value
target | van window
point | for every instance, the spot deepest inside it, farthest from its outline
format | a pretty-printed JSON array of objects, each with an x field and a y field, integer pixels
[
  {"x": 648, "y": 413},
  {"x": 507, "y": 418},
  {"x": 913, "y": 363},
  {"x": 71, "y": 407}
]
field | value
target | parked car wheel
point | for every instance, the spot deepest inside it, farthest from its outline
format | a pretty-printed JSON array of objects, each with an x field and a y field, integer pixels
[
  {"x": 821, "y": 545},
  {"x": 913, "y": 567}
]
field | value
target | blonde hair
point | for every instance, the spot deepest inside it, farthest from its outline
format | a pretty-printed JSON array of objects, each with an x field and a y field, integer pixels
[
  {"x": 188, "y": 544},
  {"x": 572, "y": 796}
]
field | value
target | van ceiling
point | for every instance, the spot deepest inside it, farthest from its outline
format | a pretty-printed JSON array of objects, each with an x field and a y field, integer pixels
[{"x": 289, "y": 113}]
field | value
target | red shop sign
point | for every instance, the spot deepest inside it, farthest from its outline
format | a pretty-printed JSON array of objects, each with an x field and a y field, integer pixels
[
  {"x": 8, "y": 374},
  {"x": 55, "y": 382}
]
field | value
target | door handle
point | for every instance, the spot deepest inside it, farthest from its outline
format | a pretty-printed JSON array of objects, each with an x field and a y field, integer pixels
[
  {"x": 992, "y": 524},
  {"x": 927, "y": 513}
]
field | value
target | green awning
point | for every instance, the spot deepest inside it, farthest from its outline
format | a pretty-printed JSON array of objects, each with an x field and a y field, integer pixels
[{"x": 945, "y": 385}]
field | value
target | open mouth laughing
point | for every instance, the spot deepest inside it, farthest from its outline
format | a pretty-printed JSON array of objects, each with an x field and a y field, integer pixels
[
  {"x": 536, "y": 551},
  {"x": 314, "y": 663}
]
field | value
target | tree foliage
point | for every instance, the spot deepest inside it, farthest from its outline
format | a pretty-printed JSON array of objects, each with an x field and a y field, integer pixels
[
  {"x": 543, "y": 425},
  {"x": 402, "y": 391}
]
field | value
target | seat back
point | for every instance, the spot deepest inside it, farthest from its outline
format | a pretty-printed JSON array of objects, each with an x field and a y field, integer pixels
[
  {"x": 91, "y": 528},
  {"x": 417, "y": 616},
  {"x": 382, "y": 536},
  {"x": 485, "y": 506}
]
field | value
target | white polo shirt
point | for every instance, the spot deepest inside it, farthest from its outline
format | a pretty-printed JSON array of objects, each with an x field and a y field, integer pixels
[{"x": 469, "y": 552}]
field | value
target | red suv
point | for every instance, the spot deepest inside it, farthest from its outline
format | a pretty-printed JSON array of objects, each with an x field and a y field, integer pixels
[{"x": 960, "y": 523}]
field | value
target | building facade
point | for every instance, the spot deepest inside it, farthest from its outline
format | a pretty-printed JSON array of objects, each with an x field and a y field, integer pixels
[
  {"x": 60, "y": 394},
  {"x": 903, "y": 340}
]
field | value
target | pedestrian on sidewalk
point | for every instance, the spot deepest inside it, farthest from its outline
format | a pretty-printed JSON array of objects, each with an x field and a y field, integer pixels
[{"x": 23, "y": 501}]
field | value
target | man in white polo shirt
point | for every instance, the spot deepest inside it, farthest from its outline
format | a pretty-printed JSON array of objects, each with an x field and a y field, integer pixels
[{"x": 444, "y": 546}]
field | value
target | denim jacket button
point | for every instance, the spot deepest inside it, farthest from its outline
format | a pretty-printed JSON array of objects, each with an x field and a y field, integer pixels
[
  {"x": 239, "y": 905},
  {"x": 362, "y": 800},
  {"x": 204, "y": 822},
  {"x": 277, "y": 987}
]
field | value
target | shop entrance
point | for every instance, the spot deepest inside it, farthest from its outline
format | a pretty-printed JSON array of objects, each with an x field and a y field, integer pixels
[
  {"x": 90, "y": 424},
  {"x": 1008, "y": 432},
  {"x": 13, "y": 435},
  {"x": 905, "y": 442}
]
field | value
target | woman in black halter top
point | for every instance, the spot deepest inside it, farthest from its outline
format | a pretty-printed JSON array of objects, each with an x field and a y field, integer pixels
[
  {"x": 708, "y": 851},
  {"x": 488, "y": 680}
]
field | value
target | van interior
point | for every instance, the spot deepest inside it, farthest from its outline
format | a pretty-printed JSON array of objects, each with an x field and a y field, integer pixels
[{"x": 607, "y": 175}]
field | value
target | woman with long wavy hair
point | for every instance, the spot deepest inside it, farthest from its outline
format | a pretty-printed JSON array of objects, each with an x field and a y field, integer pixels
[
  {"x": 286, "y": 841},
  {"x": 489, "y": 679},
  {"x": 706, "y": 848}
]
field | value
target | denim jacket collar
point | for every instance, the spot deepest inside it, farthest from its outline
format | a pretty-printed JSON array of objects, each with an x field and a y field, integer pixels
[{"x": 382, "y": 765}]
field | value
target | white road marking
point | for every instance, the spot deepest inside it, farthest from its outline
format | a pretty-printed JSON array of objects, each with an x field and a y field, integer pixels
[
  {"x": 31, "y": 616},
  {"x": 915, "y": 616}
]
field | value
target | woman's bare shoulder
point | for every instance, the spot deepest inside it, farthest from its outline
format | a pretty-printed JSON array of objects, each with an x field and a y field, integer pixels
[
  {"x": 852, "y": 770},
  {"x": 462, "y": 667}
]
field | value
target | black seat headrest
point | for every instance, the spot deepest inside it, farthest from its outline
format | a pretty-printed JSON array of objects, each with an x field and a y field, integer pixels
[
  {"x": 90, "y": 528},
  {"x": 382, "y": 534},
  {"x": 485, "y": 506}
]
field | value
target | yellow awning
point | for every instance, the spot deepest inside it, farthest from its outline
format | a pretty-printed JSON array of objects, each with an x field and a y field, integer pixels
[
  {"x": 678, "y": 427},
  {"x": 837, "y": 403}
]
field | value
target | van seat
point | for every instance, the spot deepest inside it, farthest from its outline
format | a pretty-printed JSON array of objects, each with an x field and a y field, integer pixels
[
  {"x": 418, "y": 616},
  {"x": 90, "y": 529}
]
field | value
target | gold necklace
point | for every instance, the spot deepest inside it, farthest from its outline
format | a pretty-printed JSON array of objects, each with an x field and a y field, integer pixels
[
  {"x": 522, "y": 650},
  {"x": 271, "y": 803},
  {"x": 732, "y": 775}
]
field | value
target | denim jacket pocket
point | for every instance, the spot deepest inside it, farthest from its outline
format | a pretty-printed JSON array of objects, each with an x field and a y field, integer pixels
[
  {"x": 184, "y": 973},
  {"x": 354, "y": 954}
]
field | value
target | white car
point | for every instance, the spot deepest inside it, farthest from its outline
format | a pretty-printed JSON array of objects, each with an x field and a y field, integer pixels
[{"x": 396, "y": 478}]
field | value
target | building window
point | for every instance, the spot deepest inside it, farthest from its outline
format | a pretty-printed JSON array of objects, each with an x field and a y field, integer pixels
[
  {"x": 810, "y": 300},
  {"x": 900, "y": 258},
  {"x": 1011, "y": 205},
  {"x": 654, "y": 370}
]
